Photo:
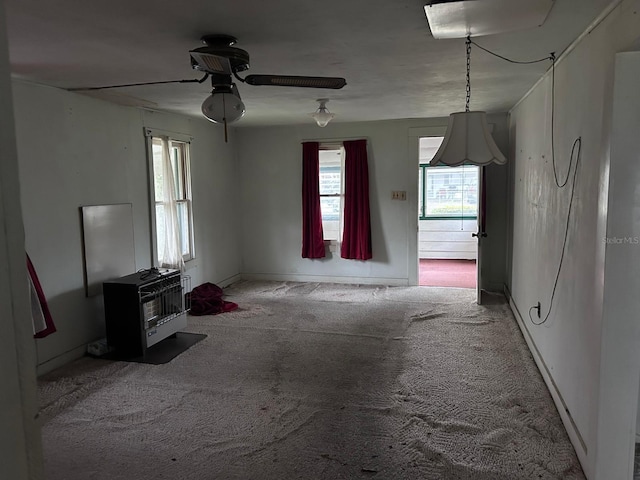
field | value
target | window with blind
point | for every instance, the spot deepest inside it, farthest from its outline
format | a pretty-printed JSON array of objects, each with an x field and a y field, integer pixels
[
  {"x": 331, "y": 190},
  {"x": 448, "y": 192}
]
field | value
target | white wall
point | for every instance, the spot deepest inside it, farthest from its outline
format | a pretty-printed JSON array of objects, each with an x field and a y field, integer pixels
[
  {"x": 74, "y": 150},
  {"x": 450, "y": 239},
  {"x": 620, "y": 354},
  {"x": 271, "y": 203},
  {"x": 569, "y": 347},
  {"x": 82, "y": 151},
  {"x": 20, "y": 448}
]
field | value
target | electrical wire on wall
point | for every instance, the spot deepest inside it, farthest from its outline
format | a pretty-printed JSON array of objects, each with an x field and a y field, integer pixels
[
  {"x": 577, "y": 146},
  {"x": 576, "y": 153}
]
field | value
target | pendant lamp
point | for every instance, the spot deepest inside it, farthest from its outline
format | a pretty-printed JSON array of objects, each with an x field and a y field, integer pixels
[
  {"x": 468, "y": 138},
  {"x": 322, "y": 116}
]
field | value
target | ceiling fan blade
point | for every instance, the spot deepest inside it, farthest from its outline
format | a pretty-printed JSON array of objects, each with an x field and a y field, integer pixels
[
  {"x": 105, "y": 87},
  {"x": 295, "y": 81}
]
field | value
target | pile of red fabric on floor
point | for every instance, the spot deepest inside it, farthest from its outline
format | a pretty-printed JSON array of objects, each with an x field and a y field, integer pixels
[{"x": 206, "y": 299}]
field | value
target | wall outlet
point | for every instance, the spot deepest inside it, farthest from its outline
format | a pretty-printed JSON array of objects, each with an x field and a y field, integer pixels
[{"x": 398, "y": 195}]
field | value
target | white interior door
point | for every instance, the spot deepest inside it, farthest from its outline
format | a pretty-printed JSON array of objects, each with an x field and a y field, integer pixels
[{"x": 480, "y": 234}]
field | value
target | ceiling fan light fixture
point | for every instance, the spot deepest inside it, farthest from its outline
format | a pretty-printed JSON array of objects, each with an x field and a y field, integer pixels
[
  {"x": 322, "y": 115},
  {"x": 223, "y": 105}
]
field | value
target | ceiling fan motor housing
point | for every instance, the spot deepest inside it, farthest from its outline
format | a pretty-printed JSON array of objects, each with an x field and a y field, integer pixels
[{"x": 219, "y": 59}]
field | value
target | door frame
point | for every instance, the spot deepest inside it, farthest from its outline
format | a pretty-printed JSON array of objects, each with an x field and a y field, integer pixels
[{"x": 413, "y": 258}]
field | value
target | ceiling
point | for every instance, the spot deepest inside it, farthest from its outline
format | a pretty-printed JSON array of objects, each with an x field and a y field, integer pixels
[{"x": 393, "y": 66}]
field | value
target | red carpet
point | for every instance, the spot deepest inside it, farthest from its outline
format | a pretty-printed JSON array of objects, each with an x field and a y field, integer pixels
[{"x": 448, "y": 273}]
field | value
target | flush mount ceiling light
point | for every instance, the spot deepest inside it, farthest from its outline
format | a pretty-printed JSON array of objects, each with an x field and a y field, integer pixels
[
  {"x": 468, "y": 139},
  {"x": 322, "y": 116},
  {"x": 458, "y": 19}
]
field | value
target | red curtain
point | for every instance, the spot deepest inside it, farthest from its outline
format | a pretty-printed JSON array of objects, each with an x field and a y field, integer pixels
[
  {"x": 312, "y": 240},
  {"x": 356, "y": 237},
  {"x": 44, "y": 325}
]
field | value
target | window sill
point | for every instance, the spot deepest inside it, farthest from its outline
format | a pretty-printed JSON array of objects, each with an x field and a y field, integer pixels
[
  {"x": 189, "y": 264},
  {"x": 457, "y": 217}
]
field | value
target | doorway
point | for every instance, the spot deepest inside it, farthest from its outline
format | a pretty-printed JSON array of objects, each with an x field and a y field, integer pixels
[{"x": 448, "y": 199}]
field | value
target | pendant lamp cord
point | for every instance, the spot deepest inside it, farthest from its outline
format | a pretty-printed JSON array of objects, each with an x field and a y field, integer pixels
[
  {"x": 510, "y": 60},
  {"x": 468, "y": 73},
  {"x": 469, "y": 42},
  {"x": 224, "y": 119}
]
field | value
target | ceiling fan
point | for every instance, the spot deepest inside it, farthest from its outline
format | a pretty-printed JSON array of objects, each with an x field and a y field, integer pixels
[{"x": 221, "y": 61}]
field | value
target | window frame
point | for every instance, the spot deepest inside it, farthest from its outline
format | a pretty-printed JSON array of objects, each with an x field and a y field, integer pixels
[
  {"x": 182, "y": 143},
  {"x": 422, "y": 209}
]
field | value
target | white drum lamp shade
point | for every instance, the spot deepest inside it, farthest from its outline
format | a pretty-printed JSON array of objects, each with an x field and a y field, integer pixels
[{"x": 468, "y": 141}]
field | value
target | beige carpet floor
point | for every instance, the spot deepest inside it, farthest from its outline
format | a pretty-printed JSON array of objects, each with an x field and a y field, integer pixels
[{"x": 317, "y": 381}]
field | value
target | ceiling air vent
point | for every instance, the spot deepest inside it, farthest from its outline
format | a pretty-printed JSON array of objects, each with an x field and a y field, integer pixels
[{"x": 459, "y": 19}]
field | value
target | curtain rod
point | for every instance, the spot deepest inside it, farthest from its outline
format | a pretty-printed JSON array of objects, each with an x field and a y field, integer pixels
[
  {"x": 333, "y": 140},
  {"x": 178, "y": 136}
]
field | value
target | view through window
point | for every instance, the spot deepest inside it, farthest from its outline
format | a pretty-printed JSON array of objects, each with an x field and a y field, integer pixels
[
  {"x": 331, "y": 192},
  {"x": 445, "y": 192}
]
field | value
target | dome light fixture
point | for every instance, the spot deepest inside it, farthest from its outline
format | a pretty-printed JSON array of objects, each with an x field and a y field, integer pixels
[
  {"x": 322, "y": 116},
  {"x": 223, "y": 105}
]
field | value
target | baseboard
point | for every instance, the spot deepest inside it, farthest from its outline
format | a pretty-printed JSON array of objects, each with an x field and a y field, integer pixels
[
  {"x": 394, "y": 282},
  {"x": 572, "y": 429},
  {"x": 493, "y": 287},
  {"x": 228, "y": 281},
  {"x": 61, "y": 360}
]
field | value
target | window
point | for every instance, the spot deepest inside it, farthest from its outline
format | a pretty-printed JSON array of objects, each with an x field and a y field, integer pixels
[
  {"x": 445, "y": 192},
  {"x": 180, "y": 197},
  {"x": 331, "y": 190},
  {"x": 448, "y": 192}
]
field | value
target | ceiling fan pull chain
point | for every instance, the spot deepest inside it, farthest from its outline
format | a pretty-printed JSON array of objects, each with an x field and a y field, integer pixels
[{"x": 468, "y": 73}]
